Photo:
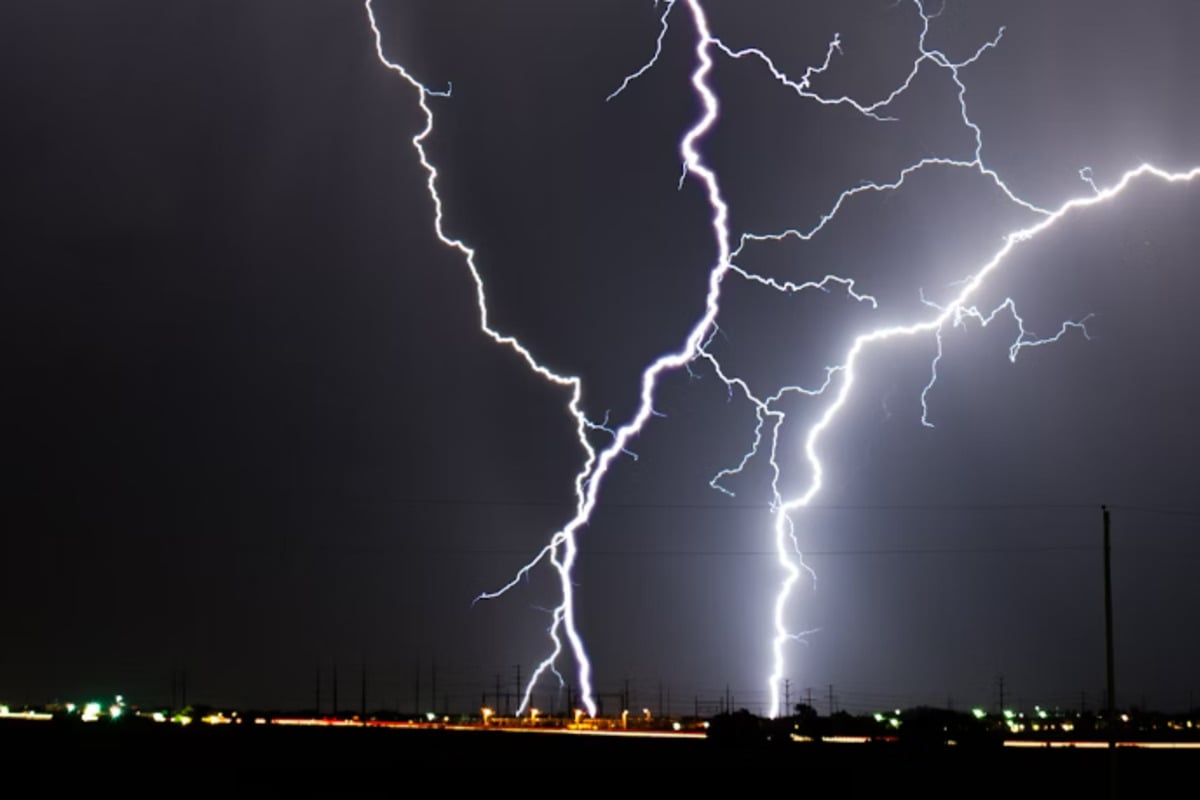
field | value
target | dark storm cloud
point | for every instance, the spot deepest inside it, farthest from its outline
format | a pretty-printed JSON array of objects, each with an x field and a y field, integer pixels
[{"x": 255, "y": 427}]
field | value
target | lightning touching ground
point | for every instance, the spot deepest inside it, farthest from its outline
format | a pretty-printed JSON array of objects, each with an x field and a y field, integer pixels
[{"x": 695, "y": 349}]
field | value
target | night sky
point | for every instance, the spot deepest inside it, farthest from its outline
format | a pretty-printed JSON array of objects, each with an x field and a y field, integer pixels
[{"x": 252, "y": 428}]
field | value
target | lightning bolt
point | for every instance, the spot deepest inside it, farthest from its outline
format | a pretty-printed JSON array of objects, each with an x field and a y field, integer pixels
[
  {"x": 562, "y": 549},
  {"x": 697, "y": 345}
]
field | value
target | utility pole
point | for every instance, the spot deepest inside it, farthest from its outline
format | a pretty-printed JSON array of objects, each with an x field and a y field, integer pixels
[
  {"x": 518, "y": 694},
  {"x": 831, "y": 699},
  {"x": 1000, "y": 691},
  {"x": 1108, "y": 658},
  {"x": 1108, "y": 631},
  {"x": 808, "y": 698},
  {"x": 496, "y": 697},
  {"x": 787, "y": 696}
]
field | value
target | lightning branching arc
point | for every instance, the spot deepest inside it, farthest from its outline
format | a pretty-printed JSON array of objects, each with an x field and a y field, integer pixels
[{"x": 561, "y": 550}]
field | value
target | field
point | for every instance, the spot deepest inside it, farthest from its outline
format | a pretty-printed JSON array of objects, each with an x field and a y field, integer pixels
[{"x": 270, "y": 754}]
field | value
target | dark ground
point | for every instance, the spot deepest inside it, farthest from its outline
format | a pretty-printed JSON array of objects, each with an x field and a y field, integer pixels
[{"x": 42, "y": 751}]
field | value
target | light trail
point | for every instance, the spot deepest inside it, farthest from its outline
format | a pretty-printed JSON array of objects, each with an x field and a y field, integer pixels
[{"x": 561, "y": 550}]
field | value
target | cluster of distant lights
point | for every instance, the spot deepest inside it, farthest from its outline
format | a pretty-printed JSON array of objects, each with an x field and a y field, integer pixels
[
  {"x": 1014, "y": 721},
  {"x": 91, "y": 711},
  {"x": 1024, "y": 730},
  {"x": 98, "y": 711},
  {"x": 532, "y": 718}
]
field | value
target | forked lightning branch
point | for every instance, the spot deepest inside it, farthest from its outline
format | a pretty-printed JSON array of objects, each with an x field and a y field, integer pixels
[{"x": 772, "y": 437}]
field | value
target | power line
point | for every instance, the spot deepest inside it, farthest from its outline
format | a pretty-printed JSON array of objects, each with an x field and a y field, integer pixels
[
  {"x": 763, "y": 553},
  {"x": 834, "y": 507},
  {"x": 1175, "y": 512},
  {"x": 762, "y": 507}
]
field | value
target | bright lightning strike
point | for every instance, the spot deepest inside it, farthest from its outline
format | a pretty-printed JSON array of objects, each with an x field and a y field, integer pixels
[
  {"x": 561, "y": 550},
  {"x": 953, "y": 313}
]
